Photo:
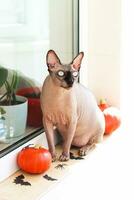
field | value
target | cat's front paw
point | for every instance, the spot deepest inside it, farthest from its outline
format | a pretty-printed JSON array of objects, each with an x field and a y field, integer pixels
[
  {"x": 64, "y": 157},
  {"x": 54, "y": 157}
]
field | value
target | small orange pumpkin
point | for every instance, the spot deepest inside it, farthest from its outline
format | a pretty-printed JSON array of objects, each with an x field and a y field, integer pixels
[
  {"x": 112, "y": 119},
  {"x": 34, "y": 160},
  {"x": 111, "y": 115}
]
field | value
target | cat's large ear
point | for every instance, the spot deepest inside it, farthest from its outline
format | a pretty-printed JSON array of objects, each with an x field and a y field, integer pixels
[
  {"x": 77, "y": 61},
  {"x": 52, "y": 59}
]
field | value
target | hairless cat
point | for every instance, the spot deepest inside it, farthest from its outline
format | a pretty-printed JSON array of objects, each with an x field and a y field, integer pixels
[{"x": 70, "y": 107}]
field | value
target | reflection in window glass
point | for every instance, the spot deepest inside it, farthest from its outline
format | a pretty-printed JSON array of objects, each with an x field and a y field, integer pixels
[{"x": 28, "y": 29}]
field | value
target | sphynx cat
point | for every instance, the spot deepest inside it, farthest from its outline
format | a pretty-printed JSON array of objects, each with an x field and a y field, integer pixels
[{"x": 70, "y": 107}]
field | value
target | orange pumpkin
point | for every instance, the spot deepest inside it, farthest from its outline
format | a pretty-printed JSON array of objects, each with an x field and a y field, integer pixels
[
  {"x": 112, "y": 119},
  {"x": 112, "y": 116},
  {"x": 34, "y": 160}
]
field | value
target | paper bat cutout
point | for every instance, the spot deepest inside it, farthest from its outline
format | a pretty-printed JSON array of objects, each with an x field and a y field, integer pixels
[
  {"x": 49, "y": 178},
  {"x": 20, "y": 180},
  {"x": 75, "y": 157},
  {"x": 61, "y": 166}
]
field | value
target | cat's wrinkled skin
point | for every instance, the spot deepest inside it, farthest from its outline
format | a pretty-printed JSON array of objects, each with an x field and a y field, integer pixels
[{"x": 70, "y": 107}]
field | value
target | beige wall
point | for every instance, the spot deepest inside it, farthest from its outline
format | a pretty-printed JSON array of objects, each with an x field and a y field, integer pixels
[{"x": 100, "y": 33}]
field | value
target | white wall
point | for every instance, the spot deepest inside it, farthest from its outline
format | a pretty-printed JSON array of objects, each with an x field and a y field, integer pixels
[
  {"x": 100, "y": 29},
  {"x": 127, "y": 65}
]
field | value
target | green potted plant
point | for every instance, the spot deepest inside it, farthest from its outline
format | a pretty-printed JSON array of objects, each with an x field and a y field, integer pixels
[{"x": 13, "y": 108}]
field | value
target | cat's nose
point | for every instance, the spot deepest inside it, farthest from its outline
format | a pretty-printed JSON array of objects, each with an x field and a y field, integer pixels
[
  {"x": 69, "y": 79},
  {"x": 70, "y": 82}
]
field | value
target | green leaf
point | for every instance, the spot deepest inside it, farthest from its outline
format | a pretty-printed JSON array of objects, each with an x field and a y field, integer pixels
[
  {"x": 15, "y": 81},
  {"x": 2, "y": 111},
  {"x": 3, "y": 75}
]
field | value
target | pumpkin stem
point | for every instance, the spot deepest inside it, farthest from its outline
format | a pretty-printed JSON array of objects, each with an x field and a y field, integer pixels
[
  {"x": 38, "y": 146},
  {"x": 103, "y": 101}
]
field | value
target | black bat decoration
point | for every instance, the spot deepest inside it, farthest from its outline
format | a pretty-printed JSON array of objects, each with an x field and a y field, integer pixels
[
  {"x": 49, "y": 178},
  {"x": 20, "y": 180},
  {"x": 61, "y": 166},
  {"x": 72, "y": 157}
]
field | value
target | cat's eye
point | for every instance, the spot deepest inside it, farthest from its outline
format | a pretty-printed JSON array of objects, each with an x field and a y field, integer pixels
[
  {"x": 60, "y": 73},
  {"x": 75, "y": 73}
]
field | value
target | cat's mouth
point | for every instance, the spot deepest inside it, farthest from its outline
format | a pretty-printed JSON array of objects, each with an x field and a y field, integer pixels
[{"x": 67, "y": 86}]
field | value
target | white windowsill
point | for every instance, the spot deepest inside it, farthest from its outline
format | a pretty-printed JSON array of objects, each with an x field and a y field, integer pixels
[{"x": 107, "y": 173}]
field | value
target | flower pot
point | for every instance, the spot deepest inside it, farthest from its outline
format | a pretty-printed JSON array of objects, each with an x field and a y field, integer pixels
[
  {"x": 34, "y": 108},
  {"x": 13, "y": 122},
  {"x": 34, "y": 113}
]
